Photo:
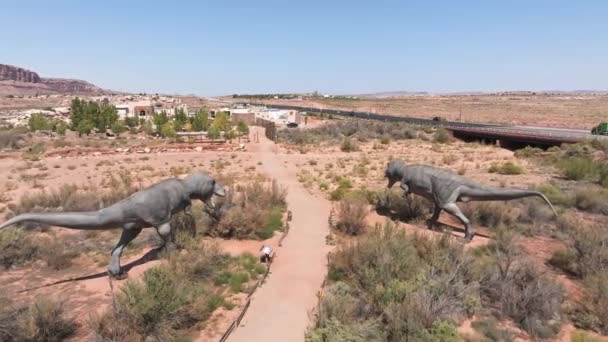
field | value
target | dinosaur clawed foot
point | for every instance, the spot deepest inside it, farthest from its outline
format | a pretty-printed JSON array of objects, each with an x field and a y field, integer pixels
[
  {"x": 118, "y": 276},
  {"x": 469, "y": 236}
]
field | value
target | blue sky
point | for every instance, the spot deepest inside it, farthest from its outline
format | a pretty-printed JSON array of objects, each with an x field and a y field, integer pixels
[{"x": 225, "y": 47}]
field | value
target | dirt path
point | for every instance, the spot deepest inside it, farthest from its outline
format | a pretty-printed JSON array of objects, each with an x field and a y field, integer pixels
[{"x": 279, "y": 309}]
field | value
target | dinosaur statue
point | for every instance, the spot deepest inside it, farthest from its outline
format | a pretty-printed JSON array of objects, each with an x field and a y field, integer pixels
[
  {"x": 151, "y": 207},
  {"x": 444, "y": 189}
]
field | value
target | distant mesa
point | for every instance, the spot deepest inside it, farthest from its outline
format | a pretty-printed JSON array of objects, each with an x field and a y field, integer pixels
[{"x": 19, "y": 81}]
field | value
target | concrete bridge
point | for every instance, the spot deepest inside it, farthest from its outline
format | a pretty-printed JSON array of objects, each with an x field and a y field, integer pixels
[{"x": 511, "y": 137}]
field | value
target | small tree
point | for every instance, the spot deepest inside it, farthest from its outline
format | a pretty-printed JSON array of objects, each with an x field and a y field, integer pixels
[
  {"x": 148, "y": 128},
  {"x": 222, "y": 122},
  {"x": 61, "y": 127},
  {"x": 118, "y": 127},
  {"x": 200, "y": 121},
  {"x": 39, "y": 122},
  {"x": 242, "y": 127},
  {"x": 85, "y": 127},
  {"x": 160, "y": 118},
  {"x": 167, "y": 130},
  {"x": 131, "y": 121},
  {"x": 213, "y": 132}
]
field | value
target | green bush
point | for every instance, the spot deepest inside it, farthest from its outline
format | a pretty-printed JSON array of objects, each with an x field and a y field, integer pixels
[
  {"x": 591, "y": 199},
  {"x": 555, "y": 194}
]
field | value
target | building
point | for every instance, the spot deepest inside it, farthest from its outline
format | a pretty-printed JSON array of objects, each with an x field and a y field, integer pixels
[{"x": 139, "y": 109}]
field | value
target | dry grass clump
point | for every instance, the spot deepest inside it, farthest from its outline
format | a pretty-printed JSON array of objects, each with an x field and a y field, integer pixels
[
  {"x": 394, "y": 287},
  {"x": 254, "y": 211},
  {"x": 42, "y": 321}
]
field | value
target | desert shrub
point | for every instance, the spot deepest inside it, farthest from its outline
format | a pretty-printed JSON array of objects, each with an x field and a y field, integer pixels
[
  {"x": 577, "y": 168},
  {"x": 385, "y": 140},
  {"x": 583, "y": 336},
  {"x": 344, "y": 186},
  {"x": 506, "y": 168},
  {"x": 528, "y": 152},
  {"x": 591, "y": 199},
  {"x": 351, "y": 215},
  {"x": 42, "y": 321},
  {"x": 11, "y": 139},
  {"x": 56, "y": 254},
  {"x": 404, "y": 208},
  {"x": 72, "y": 198},
  {"x": 407, "y": 288},
  {"x": 585, "y": 252},
  {"x": 523, "y": 292},
  {"x": 442, "y": 136},
  {"x": 490, "y": 331},
  {"x": 490, "y": 214},
  {"x": 555, "y": 194},
  {"x": 254, "y": 211},
  {"x": 592, "y": 312},
  {"x": 348, "y": 145},
  {"x": 16, "y": 247},
  {"x": 356, "y": 129}
]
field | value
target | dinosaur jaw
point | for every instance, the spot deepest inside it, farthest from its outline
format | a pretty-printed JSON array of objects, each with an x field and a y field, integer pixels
[{"x": 391, "y": 182}]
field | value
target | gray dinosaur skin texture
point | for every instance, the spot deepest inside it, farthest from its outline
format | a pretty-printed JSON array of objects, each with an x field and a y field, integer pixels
[
  {"x": 151, "y": 207},
  {"x": 445, "y": 188}
]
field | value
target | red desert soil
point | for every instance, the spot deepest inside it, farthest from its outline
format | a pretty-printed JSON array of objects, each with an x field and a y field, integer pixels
[{"x": 280, "y": 307}]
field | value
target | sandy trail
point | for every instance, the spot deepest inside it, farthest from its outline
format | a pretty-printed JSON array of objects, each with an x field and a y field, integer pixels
[{"x": 279, "y": 309}]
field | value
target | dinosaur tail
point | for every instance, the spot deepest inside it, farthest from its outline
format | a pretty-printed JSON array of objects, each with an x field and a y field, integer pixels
[
  {"x": 498, "y": 194},
  {"x": 73, "y": 220}
]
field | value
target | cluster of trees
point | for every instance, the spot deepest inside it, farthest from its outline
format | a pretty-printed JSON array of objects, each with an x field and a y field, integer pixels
[
  {"x": 88, "y": 115},
  {"x": 199, "y": 122}
]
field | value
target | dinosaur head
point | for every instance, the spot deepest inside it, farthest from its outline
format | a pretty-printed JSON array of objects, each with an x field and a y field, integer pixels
[
  {"x": 393, "y": 172},
  {"x": 203, "y": 187}
]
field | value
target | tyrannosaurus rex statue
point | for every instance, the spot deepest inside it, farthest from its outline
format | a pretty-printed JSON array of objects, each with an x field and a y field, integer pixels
[
  {"x": 151, "y": 207},
  {"x": 444, "y": 189}
]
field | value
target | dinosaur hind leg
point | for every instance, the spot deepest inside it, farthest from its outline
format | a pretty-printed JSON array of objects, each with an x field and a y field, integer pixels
[
  {"x": 453, "y": 209},
  {"x": 433, "y": 220},
  {"x": 128, "y": 234},
  {"x": 164, "y": 230}
]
